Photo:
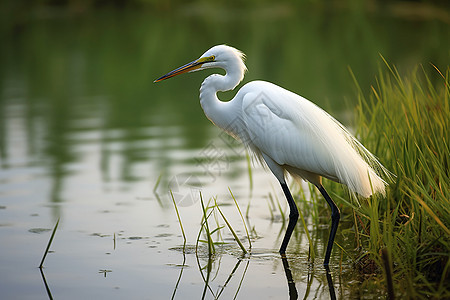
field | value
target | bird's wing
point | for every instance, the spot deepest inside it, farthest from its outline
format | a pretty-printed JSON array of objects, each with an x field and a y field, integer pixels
[
  {"x": 283, "y": 126},
  {"x": 305, "y": 140}
]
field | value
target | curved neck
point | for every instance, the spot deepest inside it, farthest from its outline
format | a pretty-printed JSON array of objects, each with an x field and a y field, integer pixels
[{"x": 222, "y": 114}]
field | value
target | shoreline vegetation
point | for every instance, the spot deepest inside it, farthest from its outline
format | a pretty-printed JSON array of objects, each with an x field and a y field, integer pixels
[{"x": 405, "y": 121}]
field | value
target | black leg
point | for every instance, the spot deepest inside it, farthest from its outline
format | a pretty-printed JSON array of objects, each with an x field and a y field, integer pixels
[
  {"x": 335, "y": 216},
  {"x": 293, "y": 217}
]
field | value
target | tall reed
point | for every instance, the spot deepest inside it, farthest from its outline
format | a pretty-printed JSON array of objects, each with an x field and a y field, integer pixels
[{"x": 404, "y": 121}]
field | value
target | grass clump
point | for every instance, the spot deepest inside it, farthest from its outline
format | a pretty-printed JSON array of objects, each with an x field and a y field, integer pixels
[
  {"x": 210, "y": 210},
  {"x": 404, "y": 121}
]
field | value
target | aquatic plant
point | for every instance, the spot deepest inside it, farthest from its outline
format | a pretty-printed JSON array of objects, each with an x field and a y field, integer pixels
[{"x": 405, "y": 121}]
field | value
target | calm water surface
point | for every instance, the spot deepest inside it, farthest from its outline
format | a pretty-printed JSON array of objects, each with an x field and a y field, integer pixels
[{"x": 85, "y": 136}]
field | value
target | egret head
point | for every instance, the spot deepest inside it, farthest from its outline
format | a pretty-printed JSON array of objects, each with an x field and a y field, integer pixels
[{"x": 221, "y": 56}]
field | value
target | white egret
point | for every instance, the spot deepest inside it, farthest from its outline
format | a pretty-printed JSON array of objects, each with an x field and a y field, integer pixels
[{"x": 287, "y": 132}]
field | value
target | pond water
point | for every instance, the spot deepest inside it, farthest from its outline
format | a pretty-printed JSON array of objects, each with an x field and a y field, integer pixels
[{"x": 85, "y": 136}]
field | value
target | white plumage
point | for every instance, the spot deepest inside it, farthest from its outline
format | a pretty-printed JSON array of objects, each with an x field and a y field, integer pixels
[{"x": 286, "y": 131}]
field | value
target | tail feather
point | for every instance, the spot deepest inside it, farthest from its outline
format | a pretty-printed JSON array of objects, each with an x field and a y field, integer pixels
[
  {"x": 355, "y": 166},
  {"x": 368, "y": 172}
]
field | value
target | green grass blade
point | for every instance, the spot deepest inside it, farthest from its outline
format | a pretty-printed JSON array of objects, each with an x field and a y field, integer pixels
[
  {"x": 49, "y": 244},
  {"x": 311, "y": 246},
  {"x": 179, "y": 220},
  {"x": 242, "y": 218},
  {"x": 232, "y": 231},
  {"x": 211, "y": 249}
]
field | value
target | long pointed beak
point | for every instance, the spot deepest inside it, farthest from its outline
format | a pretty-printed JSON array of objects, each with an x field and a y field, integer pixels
[{"x": 193, "y": 65}]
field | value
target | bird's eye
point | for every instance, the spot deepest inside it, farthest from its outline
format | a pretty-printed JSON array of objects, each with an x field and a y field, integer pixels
[{"x": 212, "y": 58}]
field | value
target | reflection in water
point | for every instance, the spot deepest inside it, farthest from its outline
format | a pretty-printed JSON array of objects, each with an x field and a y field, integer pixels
[
  {"x": 209, "y": 274},
  {"x": 208, "y": 270},
  {"x": 293, "y": 294},
  {"x": 291, "y": 283},
  {"x": 206, "y": 273},
  {"x": 183, "y": 265},
  {"x": 231, "y": 276},
  {"x": 330, "y": 283},
  {"x": 49, "y": 293}
]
